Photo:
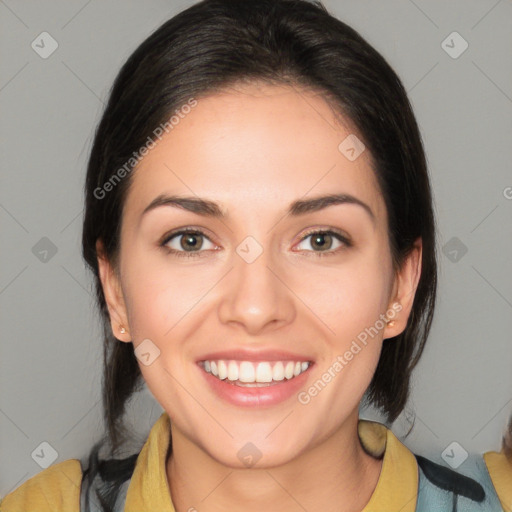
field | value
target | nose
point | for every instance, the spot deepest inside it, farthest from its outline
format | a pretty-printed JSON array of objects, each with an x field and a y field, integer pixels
[{"x": 256, "y": 296}]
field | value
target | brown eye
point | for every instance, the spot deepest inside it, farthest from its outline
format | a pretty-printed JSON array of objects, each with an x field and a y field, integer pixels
[
  {"x": 187, "y": 241},
  {"x": 323, "y": 241},
  {"x": 191, "y": 241}
]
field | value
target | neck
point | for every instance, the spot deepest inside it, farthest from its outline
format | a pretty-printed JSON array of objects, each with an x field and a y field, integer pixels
[{"x": 334, "y": 476}]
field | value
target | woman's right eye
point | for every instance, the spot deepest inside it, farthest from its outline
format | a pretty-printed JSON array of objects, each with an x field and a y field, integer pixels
[{"x": 187, "y": 242}]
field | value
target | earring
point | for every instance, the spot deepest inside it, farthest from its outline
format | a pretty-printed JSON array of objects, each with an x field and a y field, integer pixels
[
  {"x": 390, "y": 323},
  {"x": 122, "y": 329}
]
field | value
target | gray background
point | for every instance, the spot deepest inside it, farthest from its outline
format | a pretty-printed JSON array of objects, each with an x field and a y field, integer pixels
[{"x": 51, "y": 348}]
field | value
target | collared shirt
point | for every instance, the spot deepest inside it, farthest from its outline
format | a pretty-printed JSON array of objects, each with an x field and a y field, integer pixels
[
  {"x": 500, "y": 469},
  {"x": 57, "y": 488}
]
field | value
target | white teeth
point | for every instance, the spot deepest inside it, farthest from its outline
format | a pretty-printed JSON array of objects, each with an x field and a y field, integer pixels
[
  {"x": 251, "y": 384},
  {"x": 248, "y": 373},
  {"x": 288, "y": 370},
  {"x": 232, "y": 371},
  {"x": 264, "y": 372},
  {"x": 278, "y": 371},
  {"x": 223, "y": 370}
]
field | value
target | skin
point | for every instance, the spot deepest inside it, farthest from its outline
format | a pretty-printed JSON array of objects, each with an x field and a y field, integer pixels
[{"x": 284, "y": 142}]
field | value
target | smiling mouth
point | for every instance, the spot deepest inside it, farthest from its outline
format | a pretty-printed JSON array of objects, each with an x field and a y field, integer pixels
[{"x": 254, "y": 374}]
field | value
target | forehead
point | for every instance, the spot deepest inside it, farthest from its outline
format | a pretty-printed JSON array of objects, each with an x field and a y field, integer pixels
[{"x": 257, "y": 143}]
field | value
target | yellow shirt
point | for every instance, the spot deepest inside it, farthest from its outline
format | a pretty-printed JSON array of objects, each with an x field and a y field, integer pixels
[
  {"x": 500, "y": 469},
  {"x": 57, "y": 488}
]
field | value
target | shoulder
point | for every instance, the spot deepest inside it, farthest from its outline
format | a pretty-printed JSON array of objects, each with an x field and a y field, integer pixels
[
  {"x": 55, "y": 489},
  {"x": 469, "y": 488},
  {"x": 500, "y": 470}
]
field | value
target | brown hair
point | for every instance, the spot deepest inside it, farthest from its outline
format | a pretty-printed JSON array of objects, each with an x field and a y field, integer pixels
[{"x": 506, "y": 447}]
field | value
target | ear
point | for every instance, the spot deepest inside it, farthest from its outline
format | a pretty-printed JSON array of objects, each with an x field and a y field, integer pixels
[
  {"x": 404, "y": 290},
  {"x": 113, "y": 295}
]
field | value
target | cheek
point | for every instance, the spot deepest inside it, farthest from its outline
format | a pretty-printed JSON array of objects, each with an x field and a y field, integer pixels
[
  {"x": 160, "y": 294},
  {"x": 353, "y": 301},
  {"x": 348, "y": 297}
]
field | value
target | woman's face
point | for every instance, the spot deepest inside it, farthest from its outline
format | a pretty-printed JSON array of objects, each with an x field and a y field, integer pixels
[{"x": 256, "y": 283}]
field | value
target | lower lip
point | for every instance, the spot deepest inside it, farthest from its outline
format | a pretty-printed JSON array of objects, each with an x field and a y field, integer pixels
[{"x": 254, "y": 396}]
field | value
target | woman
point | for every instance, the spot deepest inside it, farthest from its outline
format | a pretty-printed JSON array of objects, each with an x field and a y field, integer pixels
[{"x": 259, "y": 224}]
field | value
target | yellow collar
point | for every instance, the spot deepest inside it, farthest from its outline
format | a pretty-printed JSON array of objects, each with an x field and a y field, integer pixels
[
  {"x": 500, "y": 469},
  {"x": 396, "y": 489}
]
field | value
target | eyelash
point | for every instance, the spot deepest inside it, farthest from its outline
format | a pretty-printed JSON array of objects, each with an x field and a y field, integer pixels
[{"x": 196, "y": 254}]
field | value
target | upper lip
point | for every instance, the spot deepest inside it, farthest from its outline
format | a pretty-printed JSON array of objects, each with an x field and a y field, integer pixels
[{"x": 239, "y": 354}]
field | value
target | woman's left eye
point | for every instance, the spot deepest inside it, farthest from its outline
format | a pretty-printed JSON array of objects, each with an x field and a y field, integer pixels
[{"x": 322, "y": 242}]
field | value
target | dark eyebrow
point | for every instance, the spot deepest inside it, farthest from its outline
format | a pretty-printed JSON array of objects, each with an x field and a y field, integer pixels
[
  {"x": 192, "y": 204},
  {"x": 211, "y": 209},
  {"x": 315, "y": 204}
]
